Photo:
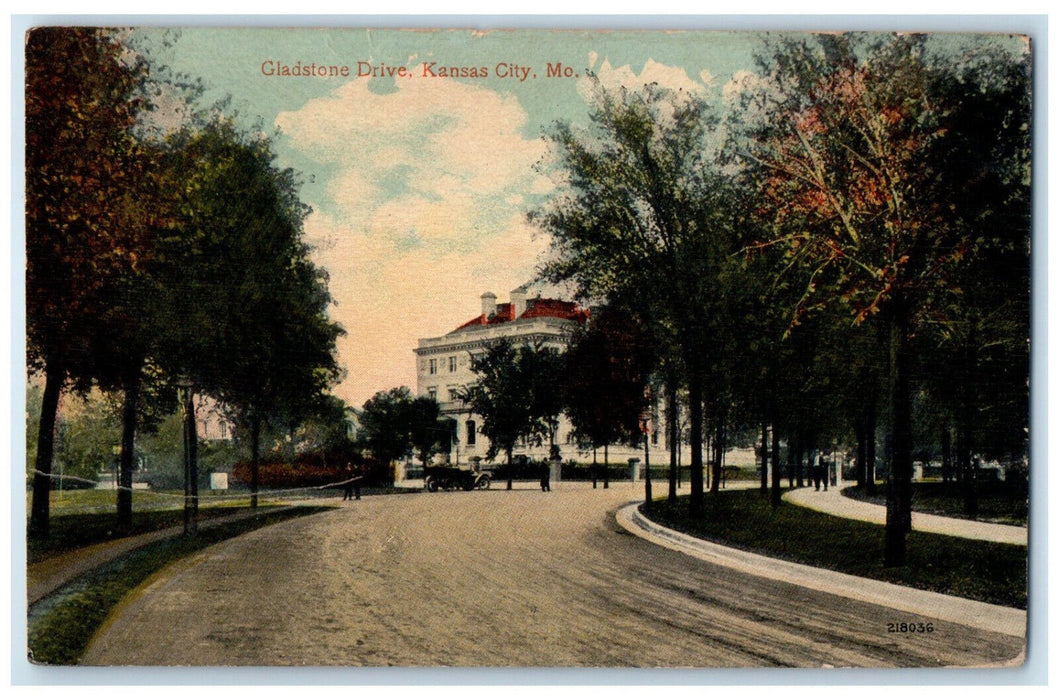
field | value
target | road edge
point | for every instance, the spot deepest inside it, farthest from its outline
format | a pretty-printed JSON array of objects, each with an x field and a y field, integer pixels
[{"x": 972, "y": 613}]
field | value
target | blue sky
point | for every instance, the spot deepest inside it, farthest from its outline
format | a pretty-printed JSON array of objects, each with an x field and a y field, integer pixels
[{"x": 419, "y": 185}]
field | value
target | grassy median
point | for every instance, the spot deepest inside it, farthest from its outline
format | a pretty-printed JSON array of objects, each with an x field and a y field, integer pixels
[
  {"x": 62, "y": 625},
  {"x": 985, "y": 571}
]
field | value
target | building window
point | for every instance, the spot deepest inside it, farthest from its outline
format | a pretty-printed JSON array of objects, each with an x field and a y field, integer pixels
[
  {"x": 471, "y": 427},
  {"x": 452, "y": 363},
  {"x": 434, "y": 366},
  {"x": 654, "y": 437},
  {"x": 454, "y": 394},
  {"x": 432, "y": 392}
]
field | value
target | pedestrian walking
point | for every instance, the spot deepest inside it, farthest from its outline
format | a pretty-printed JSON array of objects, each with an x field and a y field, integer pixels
[
  {"x": 347, "y": 485},
  {"x": 546, "y": 479}
]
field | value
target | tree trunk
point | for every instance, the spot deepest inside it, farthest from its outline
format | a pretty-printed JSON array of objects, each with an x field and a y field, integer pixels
[
  {"x": 129, "y": 412},
  {"x": 695, "y": 425},
  {"x": 595, "y": 467},
  {"x": 946, "y": 455},
  {"x": 719, "y": 447},
  {"x": 255, "y": 457},
  {"x": 510, "y": 466},
  {"x": 606, "y": 466},
  {"x": 792, "y": 449},
  {"x": 776, "y": 474},
  {"x": 963, "y": 465},
  {"x": 191, "y": 426},
  {"x": 673, "y": 416},
  {"x": 707, "y": 458},
  {"x": 862, "y": 452},
  {"x": 648, "y": 496},
  {"x": 869, "y": 436},
  {"x": 40, "y": 510},
  {"x": 899, "y": 494},
  {"x": 966, "y": 426},
  {"x": 764, "y": 458}
]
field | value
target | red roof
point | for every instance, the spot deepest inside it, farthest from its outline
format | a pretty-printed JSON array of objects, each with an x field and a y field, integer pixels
[
  {"x": 555, "y": 308},
  {"x": 535, "y": 308}
]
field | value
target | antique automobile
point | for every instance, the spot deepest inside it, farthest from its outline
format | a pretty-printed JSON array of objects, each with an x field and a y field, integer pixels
[{"x": 453, "y": 478}]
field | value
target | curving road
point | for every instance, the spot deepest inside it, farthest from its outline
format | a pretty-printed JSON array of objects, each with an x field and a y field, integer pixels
[{"x": 500, "y": 578}]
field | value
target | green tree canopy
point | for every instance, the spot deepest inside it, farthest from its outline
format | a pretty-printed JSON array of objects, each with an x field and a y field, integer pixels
[
  {"x": 246, "y": 310},
  {"x": 607, "y": 368},
  {"x": 386, "y": 423},
  {"x": 90, "y": 208},
  {"x": 646, "y": 214},
  {"x": 516, "y": 394},
  {"x": 853, "y": 143}
]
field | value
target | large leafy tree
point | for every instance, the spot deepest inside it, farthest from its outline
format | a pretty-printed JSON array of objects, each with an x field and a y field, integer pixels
[
  {"x": 125, "y": 344},
  {"x": 385, "y": 421},
  {"x": 428, "y": 433},
  {"x": 89, "y": 208},
  {"x": 846, "y": 152},
  {"x": 645, "y": 214},
  {"x": 246, "y": 310},
  {"x": 607, "y": 368},
  {"x": 979, "y": 341},
  {"x": 512, "y": 395}
]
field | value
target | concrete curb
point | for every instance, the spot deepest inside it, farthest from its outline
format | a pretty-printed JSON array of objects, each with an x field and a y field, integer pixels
[{"x": 938, "y": 606}]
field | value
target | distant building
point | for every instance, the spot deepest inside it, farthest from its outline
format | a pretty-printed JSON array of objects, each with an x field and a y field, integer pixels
[
  {"x": 443, "y": 364},
  {"x": 443, "y": 372}
]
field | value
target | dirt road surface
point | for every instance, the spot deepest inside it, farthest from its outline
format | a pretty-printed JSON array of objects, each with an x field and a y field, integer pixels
[{"x": 500, "y": 578}]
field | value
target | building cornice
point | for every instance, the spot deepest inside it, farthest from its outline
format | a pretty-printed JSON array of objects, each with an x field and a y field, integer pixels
[{"x": 482, "y": 338}]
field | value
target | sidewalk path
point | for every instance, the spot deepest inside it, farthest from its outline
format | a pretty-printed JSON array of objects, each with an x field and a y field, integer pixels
[
  {"x": 48, "y": 575},
  {"x": 925, "y": 604},
  {"x": 834, "y": 503}
]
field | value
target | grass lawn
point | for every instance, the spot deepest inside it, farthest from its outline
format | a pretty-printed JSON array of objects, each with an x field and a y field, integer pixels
[
  {"x": 88, "y": 517},
  {"x": 62, "y": 625},
  {"x": 998, "y": 502},
  {"x": 994, "y": 573}
]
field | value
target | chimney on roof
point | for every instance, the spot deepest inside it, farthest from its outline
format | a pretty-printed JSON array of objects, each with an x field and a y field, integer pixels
[
  {"x": 518, "y": 300},
  {"x": 488, "y": 304}
]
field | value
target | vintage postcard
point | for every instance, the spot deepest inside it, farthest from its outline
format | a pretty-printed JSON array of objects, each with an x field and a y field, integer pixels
[{"x": 689, "y": 349}]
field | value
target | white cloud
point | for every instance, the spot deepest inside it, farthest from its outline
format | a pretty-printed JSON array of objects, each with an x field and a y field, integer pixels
[
  {"x": 427, "y": 213},
  {"x": 613, "y": 78}
]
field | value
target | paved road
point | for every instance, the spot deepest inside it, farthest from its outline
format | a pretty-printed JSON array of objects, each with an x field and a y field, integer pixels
[{"x": 499, "y": 578}]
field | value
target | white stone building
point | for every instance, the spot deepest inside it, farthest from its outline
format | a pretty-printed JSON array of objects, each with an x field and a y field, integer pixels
[
  {"x": 443, "y": 371},
  {"x": 443, "y": 364}
]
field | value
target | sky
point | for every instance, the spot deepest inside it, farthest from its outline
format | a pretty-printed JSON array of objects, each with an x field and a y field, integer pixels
[{"x": 420, "y": 183}]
